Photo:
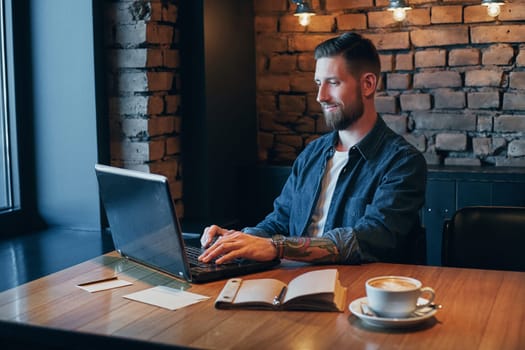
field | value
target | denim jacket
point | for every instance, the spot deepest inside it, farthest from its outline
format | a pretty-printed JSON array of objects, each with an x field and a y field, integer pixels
[{"x": 376, "y": 201}]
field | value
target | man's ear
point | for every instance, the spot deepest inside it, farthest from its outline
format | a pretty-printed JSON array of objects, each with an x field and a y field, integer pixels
[{"x": 368, "y": 84}]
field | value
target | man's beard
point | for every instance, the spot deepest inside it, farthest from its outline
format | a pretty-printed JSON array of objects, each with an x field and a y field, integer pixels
[{"x": 340, "y": 119}]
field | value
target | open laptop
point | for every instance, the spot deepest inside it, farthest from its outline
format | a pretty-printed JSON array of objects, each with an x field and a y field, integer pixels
[{"x": 145, "y": 227}]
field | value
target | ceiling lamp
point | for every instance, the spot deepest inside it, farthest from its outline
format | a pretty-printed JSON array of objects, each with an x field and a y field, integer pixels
[
  {"x": 493, "y": 7},
  {"x": 398, "y": 8},
  {"x": 303, "y": 11}
]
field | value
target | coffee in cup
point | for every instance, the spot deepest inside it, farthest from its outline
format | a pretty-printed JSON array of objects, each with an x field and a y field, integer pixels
[{"x": 396, "y": 296}]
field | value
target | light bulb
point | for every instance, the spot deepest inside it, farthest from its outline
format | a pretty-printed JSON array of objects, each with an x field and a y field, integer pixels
[
  {"x": 304, "y": 18},
  {"x": 493, "y": 10},
  {"x": 399, "y": 14}
]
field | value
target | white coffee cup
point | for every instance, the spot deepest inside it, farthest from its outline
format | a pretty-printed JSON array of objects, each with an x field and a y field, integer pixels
[{"x": 396, "y": 296}]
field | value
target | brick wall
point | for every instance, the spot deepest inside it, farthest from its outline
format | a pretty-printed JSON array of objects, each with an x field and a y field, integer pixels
[
  {"x": 453, "y": 78},
  {"x": 143, "y": 72}
]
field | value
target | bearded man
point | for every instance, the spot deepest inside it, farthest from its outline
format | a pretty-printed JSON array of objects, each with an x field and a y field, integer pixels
[{"x": 354, "y": 194}]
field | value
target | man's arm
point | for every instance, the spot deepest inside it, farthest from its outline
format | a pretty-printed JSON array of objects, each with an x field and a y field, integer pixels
[
  {"x": 315, "y": 250},
  {"x": 236, "y": 244}
]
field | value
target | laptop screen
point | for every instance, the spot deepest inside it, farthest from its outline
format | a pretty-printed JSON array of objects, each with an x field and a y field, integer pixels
[{"x": 142, "y": 218}]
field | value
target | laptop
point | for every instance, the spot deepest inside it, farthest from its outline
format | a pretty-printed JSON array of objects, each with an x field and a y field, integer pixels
[{"x": 145, "y": 228}]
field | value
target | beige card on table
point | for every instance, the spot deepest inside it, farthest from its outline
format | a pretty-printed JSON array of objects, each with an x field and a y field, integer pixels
[
  {"x": 103, "y": 284},
  {"x": 166, "y": 297}
]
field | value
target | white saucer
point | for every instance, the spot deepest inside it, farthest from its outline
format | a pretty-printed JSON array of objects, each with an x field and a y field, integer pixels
[{"x": 423, "y": 315}]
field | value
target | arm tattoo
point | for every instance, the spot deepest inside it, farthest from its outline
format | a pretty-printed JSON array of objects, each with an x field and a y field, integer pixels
[{"x": 316, "y": 250}]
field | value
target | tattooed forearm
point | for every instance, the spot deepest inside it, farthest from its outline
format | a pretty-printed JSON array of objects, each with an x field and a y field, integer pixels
[{"x": 317, "y": 250}]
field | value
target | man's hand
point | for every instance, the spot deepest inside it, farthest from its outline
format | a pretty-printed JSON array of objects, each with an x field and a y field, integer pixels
[
  {"x": 235, "y": 244},
  {"x": 211, "y": 233}
]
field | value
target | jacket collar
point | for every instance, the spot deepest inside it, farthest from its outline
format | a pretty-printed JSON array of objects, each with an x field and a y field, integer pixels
[{"x": 368, "y": 146}]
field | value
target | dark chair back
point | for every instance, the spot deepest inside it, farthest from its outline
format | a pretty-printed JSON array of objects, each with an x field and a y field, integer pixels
[{"x": 486, "y": 238}]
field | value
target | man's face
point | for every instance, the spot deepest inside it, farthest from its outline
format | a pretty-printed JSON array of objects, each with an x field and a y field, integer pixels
[{"x": 339, "y": 93}]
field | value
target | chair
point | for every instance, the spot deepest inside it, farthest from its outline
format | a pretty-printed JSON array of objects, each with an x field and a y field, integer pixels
[{"x": 485, "y": 237}]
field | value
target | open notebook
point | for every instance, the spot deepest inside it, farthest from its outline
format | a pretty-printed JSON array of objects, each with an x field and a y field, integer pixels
[{"x": 145, "y": 227}]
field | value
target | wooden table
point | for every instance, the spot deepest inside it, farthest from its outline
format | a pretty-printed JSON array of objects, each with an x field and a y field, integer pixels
[{"x": 481, "y": 310}]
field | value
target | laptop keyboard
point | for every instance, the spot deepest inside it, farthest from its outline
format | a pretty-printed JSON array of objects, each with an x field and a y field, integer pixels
[{"x": 193, "y": 254}]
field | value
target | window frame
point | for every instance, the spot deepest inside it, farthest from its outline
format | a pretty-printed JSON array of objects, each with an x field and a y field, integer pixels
[{"x": 22, "y": 216}]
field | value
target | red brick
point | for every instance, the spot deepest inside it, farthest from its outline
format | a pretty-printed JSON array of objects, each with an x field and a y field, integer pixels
[
  {"x": 500, "y": 54},
  {"x": 398, "y": 81},
  {"x": 517, "y": 80},
  {"x": 510, "y": 123},
  {"x": 170, "y": 12},
  {"x": 292, "y": 103},
  {"x": 386, "y": 104},
  {"x": 430, "y": 120},
  {"x": 415, "y": 102},
  {"x": 171, "y": 58},
  {"x": 516, "y": 148},
  {"x": 154, "y": 58},
  {"x": 283, "y": 63},
  {"x": 512, "y": 12},
  {"x": 273, "y": 83},
  {"x": 498, "y": 34},
  {"x": 306, "y": 42},
  {"x": 266, "y": 102},
  {"x": 439, "y": 37},
  {"x": 464, "y": 57},
  {"x": 484, "y": 123},
  {"x": 405, "y": 61},
  {"x": 159, "y": 34},
  {"x": 451, "y": 142},
  {"x": 262, "y": 6},
  {"x": 271, "y": 43},
  {"x": 172, "y": 103},
  {"x": 437, "y": 79},
  {"x": 477, "y": 13},
  {"x": 483, "y": 100},
  {"x": 449, "y": 99},
  {"x": 520, "y": 60},
  {"x": 380, "y": 19},
  {"x": 173, "y": 145},
  {"x": 447, "y": 14},
  {"x": 483, "y": 77},
  {"x": 161, "y": 125},
  {"x": 266, "y": 24},
  {"x": 321, "y": 24},
  {"x": 303, "y": 82},
  {"x": 290, "y": 24},
  {"x": 386, "y": 63},
  {"x": 312, "y": 105},
  {"x": 431, "y": 58},
  {"x": 513, "y": 101},
  {"x": 157, "y": 149},
  {"x": 155, "y": 105},
  {"x": 418, "y": 17},
  {"x": 332, "y": 5},
  {"x": 351, "y": 21},
  {"x": 306, "y": 62},
  {"x": 390, "y": 41}
]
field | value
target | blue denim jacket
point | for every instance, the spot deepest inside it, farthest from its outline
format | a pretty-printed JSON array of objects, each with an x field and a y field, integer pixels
[{"x": 376, "y": 202}]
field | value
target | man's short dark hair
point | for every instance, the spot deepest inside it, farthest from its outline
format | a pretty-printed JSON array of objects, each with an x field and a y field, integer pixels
[{"x": 360, "y": 53}]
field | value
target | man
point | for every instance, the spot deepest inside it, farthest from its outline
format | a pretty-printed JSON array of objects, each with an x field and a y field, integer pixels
[{"x": 353, "y": 194}]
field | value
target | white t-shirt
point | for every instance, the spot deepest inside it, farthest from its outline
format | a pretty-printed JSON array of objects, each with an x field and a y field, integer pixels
[{"x": 333, "y": 168}]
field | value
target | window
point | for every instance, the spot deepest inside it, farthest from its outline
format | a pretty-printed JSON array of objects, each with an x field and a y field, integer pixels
[{"x": 9, "y": 189}]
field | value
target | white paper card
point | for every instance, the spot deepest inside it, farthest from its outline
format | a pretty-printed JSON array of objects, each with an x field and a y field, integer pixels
[
  {"x": 168, "y": 298},
  {"x": 97, "y": 286}
]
